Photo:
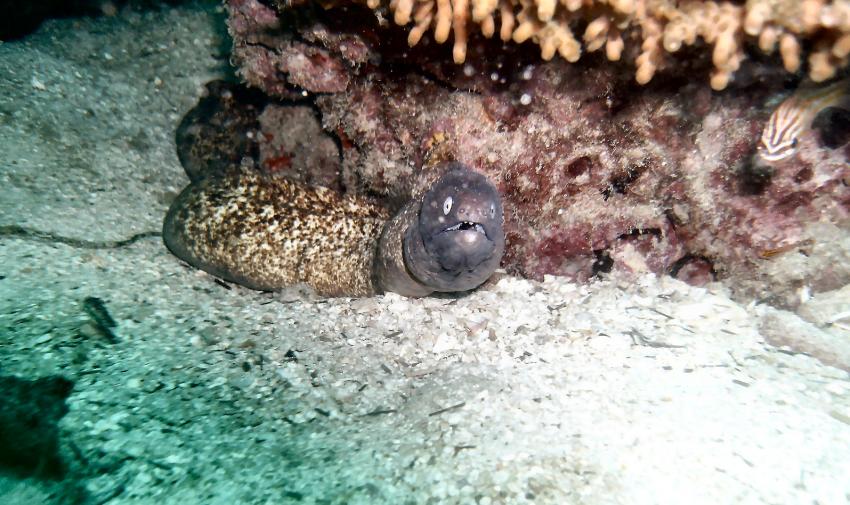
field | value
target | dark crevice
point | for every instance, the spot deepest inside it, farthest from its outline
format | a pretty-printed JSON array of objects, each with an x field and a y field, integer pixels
[
  {"x": 692, "y": 258},
  {"x": 619, "y": 183},
  {"x": 639, "y": 232},
  {"x": 754, "y": 177},
  {"x": 833, "y": 126},
  {"x": 603, "y": 263}
]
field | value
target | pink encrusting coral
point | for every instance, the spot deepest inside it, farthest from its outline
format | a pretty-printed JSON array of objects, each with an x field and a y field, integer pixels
[{"x": 597, "y": 174}]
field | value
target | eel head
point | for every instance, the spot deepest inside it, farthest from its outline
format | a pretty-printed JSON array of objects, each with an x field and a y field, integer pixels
[{"x": 458, "y": 240}]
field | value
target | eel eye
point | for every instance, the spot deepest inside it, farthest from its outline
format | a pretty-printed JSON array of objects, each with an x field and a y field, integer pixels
[
  {"x": 793, "y": 143},
  {"x": 447, "y": 205},
  {"x": 492, "y": 211}
]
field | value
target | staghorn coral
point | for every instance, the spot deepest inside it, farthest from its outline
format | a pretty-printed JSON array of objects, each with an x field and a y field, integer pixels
[{"x": 656, "y": 29}]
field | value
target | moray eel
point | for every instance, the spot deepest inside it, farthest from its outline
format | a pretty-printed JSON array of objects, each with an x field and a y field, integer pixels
[{"x": 268, "y": 233}]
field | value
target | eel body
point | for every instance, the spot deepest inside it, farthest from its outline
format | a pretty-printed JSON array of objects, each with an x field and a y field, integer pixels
[{"x": 268, "y": 233}]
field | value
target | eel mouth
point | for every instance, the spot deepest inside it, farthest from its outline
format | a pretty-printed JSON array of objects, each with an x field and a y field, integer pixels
[{"x": 467, "y": 226}]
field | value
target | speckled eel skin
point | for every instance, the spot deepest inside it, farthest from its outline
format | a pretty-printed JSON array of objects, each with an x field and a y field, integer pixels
[{"x": 268, "y": 233}]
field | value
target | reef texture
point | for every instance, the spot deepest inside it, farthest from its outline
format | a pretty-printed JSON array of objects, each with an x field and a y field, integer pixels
[{"x": 597, "y": 174}]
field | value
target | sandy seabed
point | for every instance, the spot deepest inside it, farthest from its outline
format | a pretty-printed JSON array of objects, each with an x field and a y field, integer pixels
[{"x": 634, "y": 391}]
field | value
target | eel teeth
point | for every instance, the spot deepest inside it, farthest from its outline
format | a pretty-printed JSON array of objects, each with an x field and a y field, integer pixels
[{"x": 466, "y": 225}]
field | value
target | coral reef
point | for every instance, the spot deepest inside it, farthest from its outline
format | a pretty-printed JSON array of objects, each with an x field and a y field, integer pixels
[
  {"x": 649, "y": 31},
  {"x": 223, "y": 129},
  {"x": 294, "y": 143},
  {"x": 597, "y": 174}
]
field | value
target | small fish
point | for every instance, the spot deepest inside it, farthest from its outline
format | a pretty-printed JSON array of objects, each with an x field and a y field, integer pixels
[
  {"x": 770, "y": 253},
  {"x": 102, "y": 320},
  {"x": 795, "y": 115}
]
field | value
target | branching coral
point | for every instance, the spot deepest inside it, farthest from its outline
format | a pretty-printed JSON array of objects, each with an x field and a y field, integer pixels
[
  {"x": 658, "y": 27},
  {"x": 784, "y": 23}
]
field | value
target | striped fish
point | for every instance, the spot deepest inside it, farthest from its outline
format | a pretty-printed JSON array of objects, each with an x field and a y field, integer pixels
[{"x": 794, "y": 117}]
